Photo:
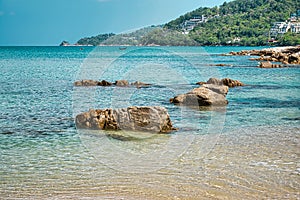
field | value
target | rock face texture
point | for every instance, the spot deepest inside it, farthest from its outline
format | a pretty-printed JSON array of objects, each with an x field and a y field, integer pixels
[
  {"x": 207, "y": 95},
  {"x": 151, "y": 119},
  {"x": 225, "y": 81},
  {"x": 285, "y": 55},
  {"x": 92, "y": 83},
  {"x": 232, "y": 83},
  {"x": 269, "y": 65},
  {"x": 121, "y": 83}
]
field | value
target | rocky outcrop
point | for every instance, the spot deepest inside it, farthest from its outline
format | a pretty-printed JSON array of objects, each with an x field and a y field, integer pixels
[
  {"x": 268, "y": 64},
  {"x": 207, "y": 95},
  {"x": 285, "y": 55},
  {"x": 151, "y": 119},
  {"x": 119, "y": 83},
  {"x": 122, "y": 83},
  {"x": 92, "y": 83},
  {"x": 65, "y": 43},
  {"x": 225, "y": 81},
  {"x": 232, "y": 83}
]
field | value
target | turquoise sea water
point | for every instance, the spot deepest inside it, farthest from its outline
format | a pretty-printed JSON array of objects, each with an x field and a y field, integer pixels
[{"x": 43, "y": 156}]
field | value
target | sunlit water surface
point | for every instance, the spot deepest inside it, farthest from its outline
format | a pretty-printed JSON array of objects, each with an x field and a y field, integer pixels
[{"x": 247, "y": 150}]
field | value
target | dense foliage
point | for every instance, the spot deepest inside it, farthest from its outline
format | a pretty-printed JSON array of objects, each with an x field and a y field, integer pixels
[
  {"x": 166, "y": 37},
  {"x": 94, "y": 40},
  {"x": 238, "y": 22},
  {"x": 289, "y": 39},
  {"x": 133, "y": 38},
  {"x": 248, "y": 20}
]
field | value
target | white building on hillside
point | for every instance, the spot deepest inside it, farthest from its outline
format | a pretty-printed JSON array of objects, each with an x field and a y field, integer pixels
[{"x": 295, "y": 28}]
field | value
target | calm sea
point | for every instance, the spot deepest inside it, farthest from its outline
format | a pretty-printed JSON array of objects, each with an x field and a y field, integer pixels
[{"x": 246, "y": 150}]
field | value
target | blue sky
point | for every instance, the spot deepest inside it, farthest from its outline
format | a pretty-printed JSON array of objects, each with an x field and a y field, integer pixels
[{"x": 48, "y": 22}]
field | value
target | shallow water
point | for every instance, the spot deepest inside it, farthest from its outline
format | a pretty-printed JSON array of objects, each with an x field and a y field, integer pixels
[{"x": 249, "y": 150}]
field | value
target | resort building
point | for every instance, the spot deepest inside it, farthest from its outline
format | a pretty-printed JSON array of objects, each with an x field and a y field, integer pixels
[
  {"x": 279, "y": 28},
  {"x": 292, "y": 24},
  {"x": 190, "y": 24},
  {"x": 295, "y": 28}
]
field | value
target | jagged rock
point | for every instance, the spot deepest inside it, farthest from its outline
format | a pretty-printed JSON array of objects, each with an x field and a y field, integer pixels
[
  {"x": 286, "y": 55},
  {"x": 294, "y": 58},
  {"x": 232, "y": 83},
  {"x": 214, "y": 81},
  {"x": 151, "y": 119},
  {"x": 121, "y": 83},
  {"x": 104, "y": 83},
  {"x": 225, "y": 81},
  {"x": 207, "y": 95}
]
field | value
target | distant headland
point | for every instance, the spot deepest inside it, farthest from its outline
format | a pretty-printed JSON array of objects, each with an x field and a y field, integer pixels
[{"x": 236, "y": 23}]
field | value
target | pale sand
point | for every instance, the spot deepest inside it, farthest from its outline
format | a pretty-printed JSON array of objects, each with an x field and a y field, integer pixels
[{"x": 249, "y": 163}]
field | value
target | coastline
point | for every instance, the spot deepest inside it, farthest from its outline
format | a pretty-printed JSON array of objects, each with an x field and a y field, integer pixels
[
  {"x": 247, "y": 163},
  {"x": 256, "y": 155}
]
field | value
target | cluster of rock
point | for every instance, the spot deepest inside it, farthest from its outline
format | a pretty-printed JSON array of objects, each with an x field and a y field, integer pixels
[
  {"x": 120, "y": 83},
  {"x": 285, "y": 55},
  {"x": 92, "y": 83},
  {"x": 210, "y": 94},
  {"x": 225, "y": 81},
  {"x": 151, "y": 119}
]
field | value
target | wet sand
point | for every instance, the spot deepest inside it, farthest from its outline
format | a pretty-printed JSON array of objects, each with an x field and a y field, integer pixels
[{"x": 249, "y": 163}]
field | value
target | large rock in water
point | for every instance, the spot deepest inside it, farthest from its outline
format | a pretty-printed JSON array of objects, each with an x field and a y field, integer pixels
[
  {"x": 269, "y": 65},
  {"x": 151, "y": 119},
  {"x": 225, "y": 81},
  {"x": 207, "y": 95}
]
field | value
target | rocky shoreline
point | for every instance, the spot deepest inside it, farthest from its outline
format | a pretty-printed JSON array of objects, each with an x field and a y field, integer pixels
[
  {"x": 155, "y": 119},
  {"x": 286, "y": 55}
]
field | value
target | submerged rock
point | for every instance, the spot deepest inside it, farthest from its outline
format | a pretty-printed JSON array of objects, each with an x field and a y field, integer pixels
[
  {"x": 139, "y": 84},
  {"x": 151, "y": 119}
]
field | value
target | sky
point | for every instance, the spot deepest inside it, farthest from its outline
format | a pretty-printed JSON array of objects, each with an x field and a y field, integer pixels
[{"x": 48, "y": 22}]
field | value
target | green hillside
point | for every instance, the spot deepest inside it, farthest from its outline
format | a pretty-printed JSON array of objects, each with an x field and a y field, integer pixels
[
  {"x": 238, "y": 22},
  {"x": 133, "y": 38},
  {"x": 94, "y": 40},
  {"x": 247, "y": 20}
]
